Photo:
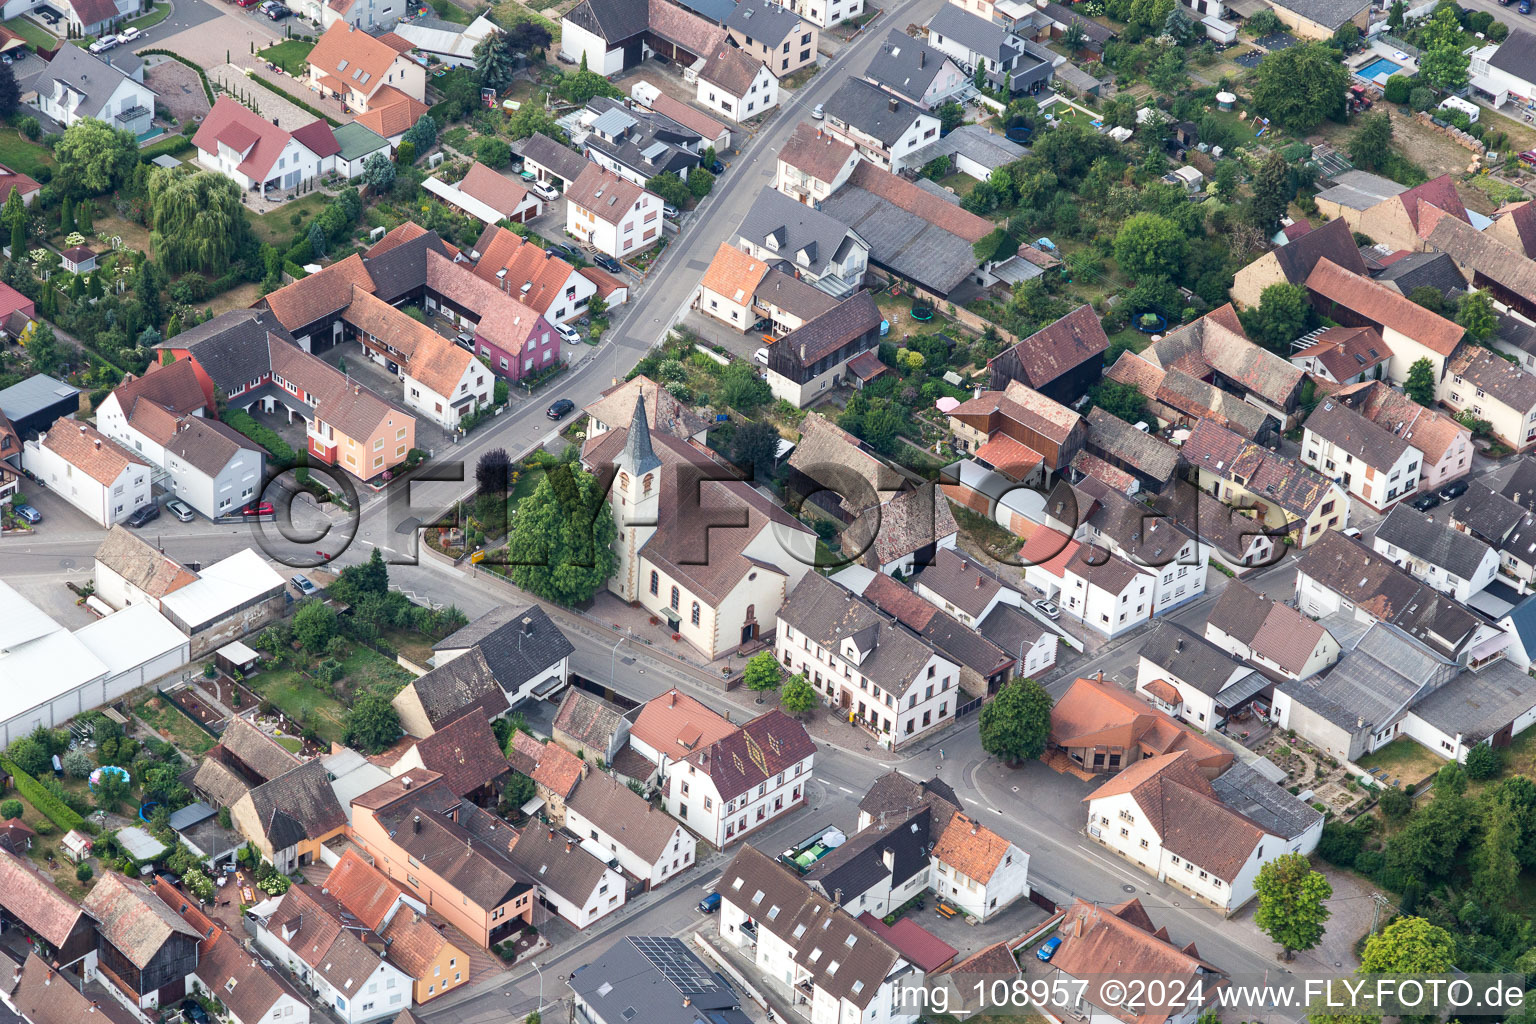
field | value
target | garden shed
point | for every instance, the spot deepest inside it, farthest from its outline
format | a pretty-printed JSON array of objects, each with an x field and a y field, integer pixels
[{"x": 236, "y": 657}]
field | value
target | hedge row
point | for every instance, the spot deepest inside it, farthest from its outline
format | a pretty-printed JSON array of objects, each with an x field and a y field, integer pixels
[
  {"x": 207, "y": 88},
  {"x": 173, "y": 146},
  {"x": 291, "y": 98},
  {"x": 281, "y": 451},
  {"x": 46, "y": 803}
]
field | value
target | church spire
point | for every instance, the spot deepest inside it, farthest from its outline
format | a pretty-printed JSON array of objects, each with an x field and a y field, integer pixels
[{"x": 639, "y": 457}]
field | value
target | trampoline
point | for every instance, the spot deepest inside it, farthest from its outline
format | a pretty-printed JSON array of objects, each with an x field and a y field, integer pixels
[
  {"x": 922, "y": 314},
  {"x": 1155, "y": 325}
]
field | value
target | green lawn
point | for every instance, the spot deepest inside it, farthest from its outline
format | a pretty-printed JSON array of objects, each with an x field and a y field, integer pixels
[
  {"x": 160, "y": 12},
  {"x": 450, "y": 11},
  {"x": 1404, "y": 759},
  {"x": 22, "y": 154},
  {"x": 161, "y": 714},
  {"x": 289, "y": 744},
  {"x": 317, "y": 706},
  {"x": 32, "y": 32},
  {"x": 277, "y": 227},
  {"x": 292, "y": 55}
]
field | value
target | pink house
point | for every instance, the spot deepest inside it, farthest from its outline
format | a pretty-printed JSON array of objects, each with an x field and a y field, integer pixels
[{"x": 514, "y": 336}]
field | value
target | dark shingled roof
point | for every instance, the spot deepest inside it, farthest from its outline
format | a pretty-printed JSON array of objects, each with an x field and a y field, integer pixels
[
  {"x": 612, "y": 20},
  {"x": 1376, "y": 446},
  {"x": 828, "y": 612},
  {"x": 904, "y": 65},
  {"x": 588, "y": 719},
  {"x": 661, "y": 981},
  {"x": 1012, "y": 630},
  {"x": 553, "y": 156},
  {"x": 465, "y": 753},
  {"x": 517, "y": 644},
  {"x": 823, "y": 335},
  {"x": 858, "y": 865},
  {"x": 297, "y": 805},
  {"x": 1516, "y": 55},
  {"x": 1052, "y": 351},
  {"x": 1424, "y": 270},
  {"x": 764, "y": 21},
  {"x": 1330, "y": 14},
  {"x": 465, "y": 682},
  {"x": 1416, "y": 533},
  {"x": 1112, "y": 438},
  {"x": 1333, "y": 241},
  {"x": 232, "y": 347},
  {"x": 872, "y": 111},
  {"x": 1190, "y": 657}
]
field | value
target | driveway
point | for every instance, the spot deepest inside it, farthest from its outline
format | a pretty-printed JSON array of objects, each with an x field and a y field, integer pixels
[{"x": 226, "y": 34}]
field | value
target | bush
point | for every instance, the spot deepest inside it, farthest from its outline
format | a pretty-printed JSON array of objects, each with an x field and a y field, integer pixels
[
  {"x": 48, "y": 805},
  {"x": 10, "y": 810},
  {"x": 1420, "y": 98},
  {"x": 83, "y": 872},
  {"x": 281, "y": 452}
]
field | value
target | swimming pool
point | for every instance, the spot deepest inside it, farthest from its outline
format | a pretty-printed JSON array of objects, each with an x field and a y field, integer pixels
[{"x": 1379, "y": 66}]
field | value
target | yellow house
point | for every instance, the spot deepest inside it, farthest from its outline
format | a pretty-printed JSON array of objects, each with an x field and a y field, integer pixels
[
  {"x": 1281, "y": 495},
  {"x": 420, "y": 950},
  {"x": 291, "y": 817}
]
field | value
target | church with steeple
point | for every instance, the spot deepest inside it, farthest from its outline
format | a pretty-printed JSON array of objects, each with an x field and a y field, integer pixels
[{"x": 697, "y": 546}]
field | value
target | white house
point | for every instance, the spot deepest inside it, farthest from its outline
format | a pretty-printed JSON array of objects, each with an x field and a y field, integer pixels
[
  {"x": 1504, "y": 71},
  {"x": 1137, "y": 533},
  {"x": 612, "y": 213},
  {"x": 1193, "y": 678},
  {"x": 884, "y": 128},
  {"x": 253, "y": 993},
  {"x": 914, "y": 836},
  {"x": 1375, "y": 465},
  {"x": 1270, "y": 634},
  {"x": 812, "y": 953},
  {"x": 76, "y": 85},
  {"x": 612, "y": 821},
  {"x": 89, "y": 470},
  {"x": 892, "y": 682},
  {"x": 741, "y": 782},
  {"x": 736, "y": 84},
  {"x": 242, "y": 145},
  {"x": 1163, "y": 815},
  {"x": 578, "y": 884},
  {"x": 130, "y": 571},
  {"x": 354, "y": 982},
  {"x": 526, "y": 653},
  {"x": 826, "y": 13},
  {"x": 1449, "y": 560},
  {"x": 91, "y": 17},
  {"x": 521, "y": 267},
  {"x": 1088, "y": 582}
]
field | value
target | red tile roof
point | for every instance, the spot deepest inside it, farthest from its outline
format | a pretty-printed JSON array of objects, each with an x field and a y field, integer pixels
[
  {"x": 257, "y": 140},
  {"x": 913, "y": 941},
  {"x": 363, "y": 889},
  {"x": 1385, "y": 306},
  {"x": 675, "y": 724},
  {"x": 88, "y": 450},
  {"x": 1094, "y": 713}
]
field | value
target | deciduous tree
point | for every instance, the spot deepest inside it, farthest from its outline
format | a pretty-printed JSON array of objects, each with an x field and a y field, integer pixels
[
  {"x": 1476, "y": 314},
  {"x": 754, "y": 447},
  {"x": 1280, "y": 316},
  {"x": 1149, "y": 245},
  {"x": 1292, "y": 903},
  {"x": 1300, "y": 86},
  {"x": 198, "y": 222},
  {"x": 1371, "y": 145},
  {"x": 1443, "y": 62},
  {"x": 372, "y": 723},
  {"x": 93, "y": 158},
  {"x": 1014, "y": 726},
  {"x": 313, "y": 625},
  {"x": 762, "y": 672},
  {"x": 1409, "y": 945},
  {"x": 560, "y": 544},
  {"x": 797, "y": 696},
  {"x": 1420, "y": 385}
]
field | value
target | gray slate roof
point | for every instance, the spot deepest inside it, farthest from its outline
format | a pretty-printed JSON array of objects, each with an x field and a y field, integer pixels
[
  {"x": 1190, "y": 657},
  {"x": 1145, "y": 453},
  {"x": 555, "y": 157},
  {"x": 872, "y": 110},
  {"x": 974, "y": 143},
  {"x": 975, "y": 33},
  {"x": 84, "y": 73},
  {"x": 1479, "y": 704},
  {"x": 1012, "y": 630},
  {"x": 612, "y": 20},
  {"x": 1360, "y": 190},
  {"x": 1516, "y": 55},
  {"x": 1373, "y": 683},
  {"x": 1244, "y": 789},
  {"x": 778, "y": 223},
  {"x": 763, "y": 21},
  {"x": 517, "y": 644},
  {"x": 232, "y": 347},
  {"x": 903, "y": 242},
  {"x": 1457, "y": 553},
  {"x": 660, "y": 981},
  {"x": 1376, "y": 446},
  {"x": 1329, "y": 13},
  {"x": 1424, "y": 270},
  {"x": 904, "y": 65},
  {"x": 828, "y": 613},
  {"x": 33, "y": 395}
]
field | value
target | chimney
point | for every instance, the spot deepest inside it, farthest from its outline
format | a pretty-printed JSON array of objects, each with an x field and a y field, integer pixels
[
  {"x": 687, "y": 1001},
  {"x": 1359, "y": 723},
  {"x": 567, "y": 846},
  {"x": 405, "y": 782},
  {"x": 672, "y": 699},
  {"x": 888, "y": 858},
  {"x": 98, "y": 442},
  {"x": 274, "y": 122},
  {"x": 48, "y": 980},
  {"x": 922, "y": 58},
  {"x": 837, "y": 897},
  {"x": 416, "y": 823},
  {"x": 891, "y": 103}
]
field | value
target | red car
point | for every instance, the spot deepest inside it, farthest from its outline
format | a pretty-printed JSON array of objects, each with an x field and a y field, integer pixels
[{"x": 258, "y": 509}]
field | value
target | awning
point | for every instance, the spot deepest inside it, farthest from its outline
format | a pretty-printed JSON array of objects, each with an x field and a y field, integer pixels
[
  {"x": 673, "y": 618},
  {"x": 1242, "y": 691},
  {"x": 1247, "y": 8},
  {"x": 532, "y": 806},
  {"x": 547, "y": 686},
  {"x": 238, "y": 653}
]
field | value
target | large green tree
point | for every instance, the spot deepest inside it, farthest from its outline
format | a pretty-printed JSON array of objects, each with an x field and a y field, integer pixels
[
  {"x": 1409, "y": 945},
  {"x": 1371, "y": 145},
  {"x": 1292, "y": 903},
  {"x": 561, "y": 543},
  {"x": 1149, "y": 245},
  {"x": 93, "y": 158},
  {"x": 1301, "y": 86},
  {"x": 313, "y": 625},
  {"x": 1477, "y": 315},
  {"x": 372, "y": 723},
  {"x": 494, "y": 62},
  {"x": 797, "y": 696},
  {"x": 1123, "y": 400},
  {"x": 1444, "y": 62},
  {"x": 198, "y": 222},
  {"x": 754, "y": 448},
  {"x": 762, "y": 672},
  {"x": 1272, "y": 192},
  {"x": 1420, "y": 385},
  {"x": 1014, "y": 726},
  {"x": 1279, "y": 318}
]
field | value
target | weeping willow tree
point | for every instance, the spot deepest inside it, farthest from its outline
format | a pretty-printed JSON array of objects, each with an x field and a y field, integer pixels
[{"x": 197, "y": 220}]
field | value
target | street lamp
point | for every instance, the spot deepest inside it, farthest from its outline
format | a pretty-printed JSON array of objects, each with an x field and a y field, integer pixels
[
  {"x": 613, "y": 661},
  {"x": 536, "y": 967}
]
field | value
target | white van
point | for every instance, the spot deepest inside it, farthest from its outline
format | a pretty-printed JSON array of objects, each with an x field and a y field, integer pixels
[{"x": 1457, "y": 103}]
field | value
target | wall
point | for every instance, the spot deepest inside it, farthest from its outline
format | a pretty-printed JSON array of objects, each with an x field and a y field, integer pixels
[{"x": 576, "y": 42}]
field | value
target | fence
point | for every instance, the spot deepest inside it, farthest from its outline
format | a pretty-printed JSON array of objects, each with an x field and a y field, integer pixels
[
  {"x": 970, "y": 708},
  {"x": 187, "y": 711}
]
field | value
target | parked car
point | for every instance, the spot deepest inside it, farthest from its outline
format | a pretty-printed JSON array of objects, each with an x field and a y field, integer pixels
[
  {"x": 1425, "y": 501},
  {"x": 27, "y": 512},
  {"x": 561, "y": 408},
  {"x": 1525, "y": 6},
  {"x": 562, "y": 250},
  {"x": 568, "y": 334},
  {"x": 194, "y": 1012},
  {"x": 1048, "y": 949},
  {"x": 1453, "y": 490},
  {"x": 1046, "y": 608},
  {"x": 128, "y": 35},
  {"x": 670, "y": 212},
  {"x": 717, "y": 168},
  {"x": 258, "y": 508},
  {"x": 103, "y": 44},
  {"x": 147, "y": 514},
  {"x": 760, "y": 356},
  {"x": 304, "y": 585},
  {"x": 608, "y": 263},
  {"x": 1353, "y": 533},
  {"x": 819, "y": 111},
  {"x": 709, "y": 904},
  {"x": 180, "y": 509},
  {"x": 544, "y": 190},
  {"x": 278, "y": 12},
  {"x": 565, "y": 58}
]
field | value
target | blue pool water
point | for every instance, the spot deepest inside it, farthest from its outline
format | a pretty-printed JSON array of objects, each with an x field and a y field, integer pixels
[{"x": 1379, "y": 66}]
